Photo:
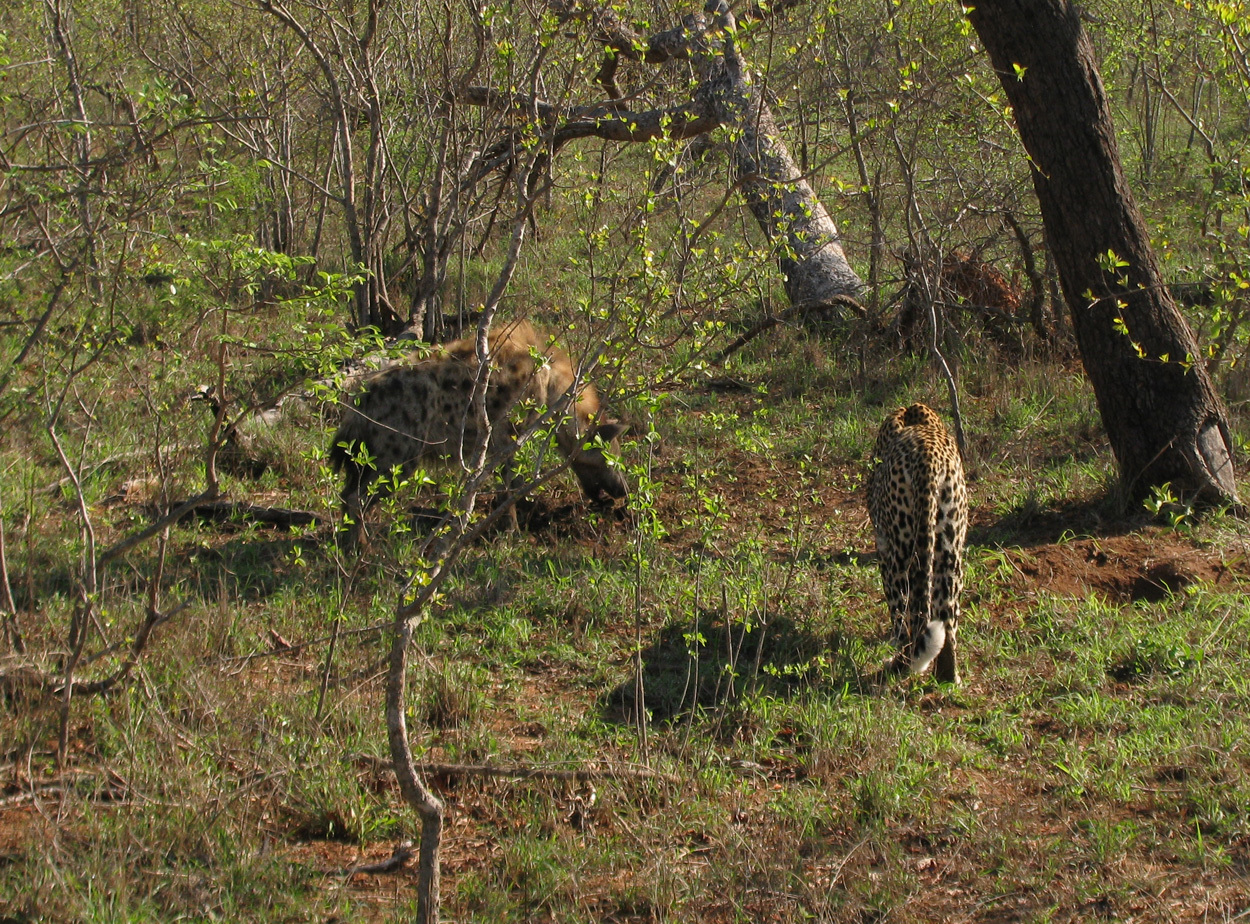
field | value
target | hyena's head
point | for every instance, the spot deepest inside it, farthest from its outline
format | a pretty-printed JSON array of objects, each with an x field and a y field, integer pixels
[
  {"x": 586, "y": 436},
  {"x": 528, "y": 363},
  {"x": 600, "y": 481}
]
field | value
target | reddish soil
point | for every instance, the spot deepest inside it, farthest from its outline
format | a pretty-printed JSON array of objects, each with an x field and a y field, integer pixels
[
  {"x": 1074, "y": 550},
  {"x": 17, "y": 823},
  {"x": 1147, "y": 565}
]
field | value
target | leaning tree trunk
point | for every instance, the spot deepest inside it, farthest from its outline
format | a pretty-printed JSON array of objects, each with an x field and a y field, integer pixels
[
  {"x": 1163, "y": 417},
  {"x": 785, "y": 205},
  {"x": 788, "y": 210}
]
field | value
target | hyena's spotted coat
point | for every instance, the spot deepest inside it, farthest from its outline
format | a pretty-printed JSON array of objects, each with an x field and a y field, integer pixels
[
  {"x": 421, "y": 410},
  {"x": 919, "y": 508}
]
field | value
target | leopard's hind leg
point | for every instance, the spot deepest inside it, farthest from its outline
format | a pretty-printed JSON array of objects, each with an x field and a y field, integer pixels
[
  {"x": 948, "y": 572},
  {"x": 945, "y": 668}
]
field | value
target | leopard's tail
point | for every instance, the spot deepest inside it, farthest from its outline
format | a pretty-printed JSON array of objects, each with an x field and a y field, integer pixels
[
  {"x": 928, "y": 634},
  {"x": 927, "y": 647}
]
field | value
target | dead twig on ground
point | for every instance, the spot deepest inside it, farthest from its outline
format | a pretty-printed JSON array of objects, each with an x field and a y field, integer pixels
[
  {"x": 403, "y": 853},
  {"x": 576, "y": 775},
  {"x": 292, "y": 648},
  {"x": 280, "y": 517}
]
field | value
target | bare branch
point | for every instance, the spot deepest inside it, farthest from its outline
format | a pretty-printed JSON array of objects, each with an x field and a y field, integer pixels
[
  {"x": 401, "y": 855},
  {"x": 678, "y": 122},
  {"x": 279, "y": 517},
  {"x": 678, "y": 43},
  {"x": 601, "y": 121}
]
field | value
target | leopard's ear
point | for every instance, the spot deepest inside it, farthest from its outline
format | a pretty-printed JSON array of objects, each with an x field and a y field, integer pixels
[{"x": 610, "y": 430}]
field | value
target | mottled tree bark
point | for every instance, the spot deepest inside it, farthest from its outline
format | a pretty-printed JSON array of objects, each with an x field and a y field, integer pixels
[
  {"x": 783, "y": 202},
  {"x": 1163, "y": 417}
]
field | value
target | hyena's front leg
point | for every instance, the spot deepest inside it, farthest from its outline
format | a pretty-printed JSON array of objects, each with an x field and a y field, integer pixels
[
  {"x": 508, "y": 479},
  {"x": 355, "y": 502},
  {"x": 351, "y": 529}
]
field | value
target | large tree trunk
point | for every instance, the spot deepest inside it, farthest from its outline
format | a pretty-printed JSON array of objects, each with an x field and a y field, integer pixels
[{"x": 1163, "y": 417}]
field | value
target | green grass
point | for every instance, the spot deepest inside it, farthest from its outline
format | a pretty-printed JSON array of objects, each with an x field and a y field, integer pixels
[
  {"x": 1094, "y": 765},
  {"x": 1097, "y": 751}
]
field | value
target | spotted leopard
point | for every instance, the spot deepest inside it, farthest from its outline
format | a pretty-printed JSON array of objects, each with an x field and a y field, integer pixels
[{"x": 919, "y": 508}]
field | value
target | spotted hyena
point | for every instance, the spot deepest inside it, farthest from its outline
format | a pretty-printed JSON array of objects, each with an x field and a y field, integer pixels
[{"x": 421, "y": 410}]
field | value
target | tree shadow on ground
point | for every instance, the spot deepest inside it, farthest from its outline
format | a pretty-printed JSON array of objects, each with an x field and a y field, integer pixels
[
  {"x": 249, "y": 566},
  {"x": 1030, "y": 524},
  {"x": 710, "y": 664}
]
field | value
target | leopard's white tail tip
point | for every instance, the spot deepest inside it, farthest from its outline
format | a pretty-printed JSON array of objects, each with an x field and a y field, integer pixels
[{"x": 931, "y": 641}]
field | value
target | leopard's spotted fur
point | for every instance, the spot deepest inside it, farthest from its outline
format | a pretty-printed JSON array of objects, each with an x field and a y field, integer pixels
[{"x": 919, "y": 508}]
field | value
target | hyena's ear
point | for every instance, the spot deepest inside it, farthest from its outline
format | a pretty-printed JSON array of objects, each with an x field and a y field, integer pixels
[{"x": 610, "y": 430}]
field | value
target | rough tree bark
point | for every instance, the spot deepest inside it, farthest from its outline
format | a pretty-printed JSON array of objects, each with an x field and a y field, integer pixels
[
  {"x": 1163, "y": 417},
  {"x": 415, "y": 792}
]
